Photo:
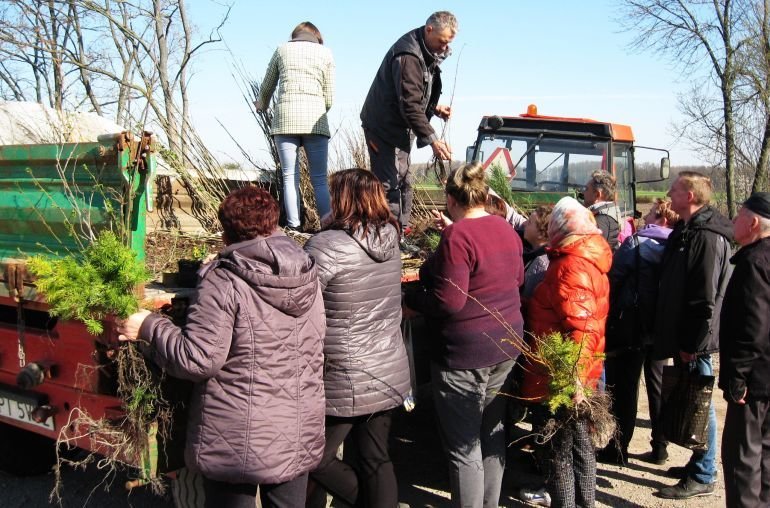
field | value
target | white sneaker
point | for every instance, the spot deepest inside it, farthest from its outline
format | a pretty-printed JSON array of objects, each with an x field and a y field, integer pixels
[{"x": 532, "y": 497}]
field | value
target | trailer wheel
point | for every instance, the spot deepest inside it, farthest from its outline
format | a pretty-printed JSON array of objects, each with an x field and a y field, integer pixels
[
  {"x": 187, "y": 489},
  {"x": 24, "y": 453}
]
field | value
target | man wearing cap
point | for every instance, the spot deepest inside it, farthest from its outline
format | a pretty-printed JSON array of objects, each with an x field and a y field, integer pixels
[
  {"x": 744, "y": 359},
  {"x": 693, "y": 278}
]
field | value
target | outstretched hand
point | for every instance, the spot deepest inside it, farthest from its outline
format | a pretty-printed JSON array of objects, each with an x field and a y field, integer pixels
[
  {"x": 128, "y": 329},
  {"x": 441, "y": 150},
  {"x": 579, "y": 397},
  {"x": 440, "y": 220},
  {"x": 443, "y": 112}
]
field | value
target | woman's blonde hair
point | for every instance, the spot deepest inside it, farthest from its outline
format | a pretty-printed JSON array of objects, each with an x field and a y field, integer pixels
[
  {"x": 662, "y": 209},
  {"x": 467, "y": 185}
]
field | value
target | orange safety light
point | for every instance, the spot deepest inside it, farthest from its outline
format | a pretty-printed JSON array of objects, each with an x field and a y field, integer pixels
[{"x": 532, "y": 110}]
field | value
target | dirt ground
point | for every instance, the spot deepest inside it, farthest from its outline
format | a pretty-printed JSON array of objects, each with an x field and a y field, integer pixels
[
  {"x": 420, "y": 469},
  {"x": 423, "y": 480}
]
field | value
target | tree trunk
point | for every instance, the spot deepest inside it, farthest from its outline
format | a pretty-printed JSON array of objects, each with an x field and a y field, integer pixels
[
  {"x": 761, "y": 175},
  {"x": 729, "y": 153},
  {"x": 85, "y": 75},
  {"x": 56, "y": 59},
  {"x": 170, "y": 113}
]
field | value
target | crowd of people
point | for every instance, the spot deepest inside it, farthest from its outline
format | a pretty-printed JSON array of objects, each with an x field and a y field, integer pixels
[{"x": 295, "y": 350}]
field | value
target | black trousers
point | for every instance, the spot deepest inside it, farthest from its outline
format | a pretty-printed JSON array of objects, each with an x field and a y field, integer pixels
[
  {"x": 289, "y": 494},
  {"x": 391, "y": 166},
  {"x": 746, "y": 454},
  {"x": 623, "y": 370},
  {"x": 372, "y": 481}
]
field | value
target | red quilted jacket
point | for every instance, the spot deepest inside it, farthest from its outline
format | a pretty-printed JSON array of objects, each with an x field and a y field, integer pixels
[{"x": 574, "y": 299}]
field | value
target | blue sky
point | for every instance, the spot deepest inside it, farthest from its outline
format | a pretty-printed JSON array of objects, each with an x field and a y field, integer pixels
[{"x": 570, "y": 58}]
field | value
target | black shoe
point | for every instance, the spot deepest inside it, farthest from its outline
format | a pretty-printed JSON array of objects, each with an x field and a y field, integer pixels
[
  {"x": 658, "y": 455},
  {"x": 408, "y": 249},
  {"x": 612, "y": 455},
  {"x": 686, "y": 489}
]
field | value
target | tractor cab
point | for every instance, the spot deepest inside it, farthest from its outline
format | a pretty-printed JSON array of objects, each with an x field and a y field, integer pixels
[{"x": 548, "y": 157}]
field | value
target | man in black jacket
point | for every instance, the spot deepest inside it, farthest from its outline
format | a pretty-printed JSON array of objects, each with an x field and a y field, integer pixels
[
  {"x": 744, "y": 359},
  {"x": 401, "y": 101},
  {"x": 694, "y": 275}
]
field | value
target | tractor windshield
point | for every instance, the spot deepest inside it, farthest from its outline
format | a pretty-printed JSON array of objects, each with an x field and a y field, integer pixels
[
  {"x": 552, "y": 164},
  {"x": 545, "y": 164}
]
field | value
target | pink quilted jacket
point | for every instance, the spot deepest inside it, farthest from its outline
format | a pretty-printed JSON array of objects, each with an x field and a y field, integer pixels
[{"x": 253, "y": 343}]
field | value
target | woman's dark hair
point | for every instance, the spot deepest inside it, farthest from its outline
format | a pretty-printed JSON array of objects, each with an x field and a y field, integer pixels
[
  {"x": 358, "y": 200},
  {"x": 247, "y": 213},
  {"x": 496, "y": 205},
  {"x": 307, "y": 26},
  {"x": 467, "y": 185}
]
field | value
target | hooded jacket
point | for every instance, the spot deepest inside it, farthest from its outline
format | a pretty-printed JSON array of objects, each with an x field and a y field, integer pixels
[
  {"x": 253, "y": 345},
  {"x": 404, "y": 93},
  {"x": 634, "y": 280},
  {"x": 574, "y": 299},
  {"x": 744, "y": 337},
  {"x": 694, "y": 273},
  {"x": 366, "y": 368}
]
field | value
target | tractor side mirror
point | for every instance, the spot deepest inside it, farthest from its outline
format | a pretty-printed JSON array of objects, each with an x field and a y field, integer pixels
[{"x": 665, "y": 168}]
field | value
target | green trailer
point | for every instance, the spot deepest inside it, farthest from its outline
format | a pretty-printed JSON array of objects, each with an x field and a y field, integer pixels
[{"x": 53, "y": 199}]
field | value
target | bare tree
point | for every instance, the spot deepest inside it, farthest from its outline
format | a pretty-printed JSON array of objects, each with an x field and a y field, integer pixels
[
  {"x": 703, "y": 36},
  {"x": 754, "y": 90},
  {"x": 133, "y": 64}
]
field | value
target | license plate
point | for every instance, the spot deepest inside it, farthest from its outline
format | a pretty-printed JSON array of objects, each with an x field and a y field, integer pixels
[{"x": 19, "y": 407}]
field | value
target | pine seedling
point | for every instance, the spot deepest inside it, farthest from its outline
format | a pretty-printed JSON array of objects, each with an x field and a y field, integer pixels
[{"x": 102, "y": 282}]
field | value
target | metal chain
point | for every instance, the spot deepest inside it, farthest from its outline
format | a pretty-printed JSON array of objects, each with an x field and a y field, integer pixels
[{"x": 20, "y": 330}]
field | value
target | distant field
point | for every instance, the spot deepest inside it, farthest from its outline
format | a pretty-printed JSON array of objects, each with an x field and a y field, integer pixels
[
  {"x": 647, "y": 196},
  {"x": 434, "y": 194}
]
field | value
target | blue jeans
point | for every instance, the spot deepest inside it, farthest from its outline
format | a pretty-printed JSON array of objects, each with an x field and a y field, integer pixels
[
  {"x": 317, "y": 152},
  {"x": 702, "y": 466}
]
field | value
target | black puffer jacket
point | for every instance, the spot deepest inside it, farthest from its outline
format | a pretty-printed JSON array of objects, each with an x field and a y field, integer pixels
[
  {"x": 693, "y": 278},
  {"x": 744, "y": 339},
  {"x": 404, "y": 93},
  {"x": 366, "y": 368}
]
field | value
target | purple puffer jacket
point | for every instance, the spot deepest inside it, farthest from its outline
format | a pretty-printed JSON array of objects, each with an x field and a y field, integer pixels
[{"x": 253, "y": 343}]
